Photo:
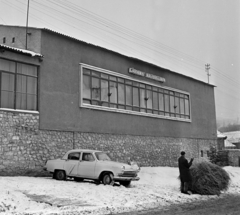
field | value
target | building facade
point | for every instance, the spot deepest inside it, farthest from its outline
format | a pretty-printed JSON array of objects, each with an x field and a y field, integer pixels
[{"x": 63, "y": 93}]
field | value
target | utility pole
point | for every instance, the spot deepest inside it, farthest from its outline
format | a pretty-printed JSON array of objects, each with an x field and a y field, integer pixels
[
  {"x": 207, "y": 67},
  {"x": 27, "y": 23}
]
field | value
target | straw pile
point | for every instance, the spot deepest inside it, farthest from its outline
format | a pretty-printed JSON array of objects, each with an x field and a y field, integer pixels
[{"x": 208, "y": 178}]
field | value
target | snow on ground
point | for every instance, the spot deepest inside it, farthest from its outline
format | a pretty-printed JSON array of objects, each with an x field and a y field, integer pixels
[{"x": 158, "y": 186}]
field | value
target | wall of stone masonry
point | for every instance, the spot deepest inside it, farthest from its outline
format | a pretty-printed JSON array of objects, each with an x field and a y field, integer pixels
[
  {"x": 24, "y": 148},
  {"x": 234, "y": 157}
]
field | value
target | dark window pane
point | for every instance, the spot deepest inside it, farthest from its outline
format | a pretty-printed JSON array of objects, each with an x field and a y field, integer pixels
[
  {"x": 86, "y": 87},
  {"x": 136, "y": 84},
  {"x": 86, "y": 101},
  {"x": 104, "y": 76},
  {"x": 129, "y": 99},
  {"x": 104, "y": 90},
  {"x": 95, "y": 89},
  {"x": 21, "y": 101},
  {"x": 181, "y": 106},
  {"x": 31, "y": 102},
  {"x": 148, "y": 87},
  {"x": 166, "y": 103},
  {"x": 161, "y": 101},
  {"x": 181, "y": 95},
  {"x": 98, "y": 103},
  {"x": 187, "y": 112},
  {"x": 113, "y": 92},
  {"x": 21, "y": 84},
  {"x": 121, "y": 94},
  {"x": 135, "y": 109},
  {"x": 7, "y": 65},
  {"x": 97, "y": 74},
  {"x": 135, "y": 96},
  {"x": 177, "y": 108},
  {"x": 113, "y": 106},
  {"x": 7, "y": 82},
  {"x": 142, "y": 98},
  {"x": 86, "y": 71},
  {"x": 113, "y": 78},
  {"x": 172, "y": 109},
  {"x": 155, "y": 100},
  {"x": 31, "y": 85},
  {"x": 149, "y": 99},
  {"x": 7, "y": 99},
  {"x": 26, "y": 69},
  {"x": 128, "y": 82},
  {"x": 105, "y": 104},
  {"x": 160, "y": 90},
  {"x": 121, "y": 80},
  {"x": 121, "y": 106}
]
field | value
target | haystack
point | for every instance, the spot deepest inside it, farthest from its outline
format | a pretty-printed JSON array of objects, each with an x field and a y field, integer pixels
[{"x": 208, "y": 178}]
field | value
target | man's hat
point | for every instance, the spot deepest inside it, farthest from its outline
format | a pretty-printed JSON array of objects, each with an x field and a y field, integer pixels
[{"x": 182, "y": 153}]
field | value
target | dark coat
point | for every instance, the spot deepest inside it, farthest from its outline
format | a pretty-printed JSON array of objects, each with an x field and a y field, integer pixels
[{"x": 184, "y": 169}]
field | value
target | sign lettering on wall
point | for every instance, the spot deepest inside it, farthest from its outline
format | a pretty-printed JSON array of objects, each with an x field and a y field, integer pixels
[{"x": 147, "y": 75}]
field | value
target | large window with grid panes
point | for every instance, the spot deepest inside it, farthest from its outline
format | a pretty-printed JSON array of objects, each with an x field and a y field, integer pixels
[
  {"x": 111, "y": 91},
  {"x": 18, "y": 85}
]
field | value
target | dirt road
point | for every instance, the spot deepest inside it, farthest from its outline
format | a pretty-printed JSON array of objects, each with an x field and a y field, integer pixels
[{"x": 226, "y": 204}]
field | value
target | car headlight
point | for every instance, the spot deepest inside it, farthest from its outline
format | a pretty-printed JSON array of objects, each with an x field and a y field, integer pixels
[{"x": 122, "y": 168}]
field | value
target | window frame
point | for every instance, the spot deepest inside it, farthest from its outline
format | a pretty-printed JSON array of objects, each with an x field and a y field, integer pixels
[
  {"x": 154, "y": 88},
  {"x": 16, "y": 74}
]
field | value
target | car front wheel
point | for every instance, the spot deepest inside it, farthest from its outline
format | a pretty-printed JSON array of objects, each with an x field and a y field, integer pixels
[
  {"x": 60, "y": 175},
  {"x": 108, "y": 179}
]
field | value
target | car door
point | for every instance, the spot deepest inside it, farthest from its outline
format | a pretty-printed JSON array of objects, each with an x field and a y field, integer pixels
[
  {"x": 86, "y": 167},
  {"x": 72, "y": 163}
]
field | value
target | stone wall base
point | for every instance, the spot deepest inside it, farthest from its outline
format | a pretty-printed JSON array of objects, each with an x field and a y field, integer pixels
[
  {"x": 24, "y": 149},
  {"x": 234, "y": 157}
]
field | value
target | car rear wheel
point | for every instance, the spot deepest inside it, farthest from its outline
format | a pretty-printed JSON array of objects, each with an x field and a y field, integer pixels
[
  {"x": 108, "y": 179},
  {"x": 60, "y": 175},
  {"x": 125, "y": 183}
]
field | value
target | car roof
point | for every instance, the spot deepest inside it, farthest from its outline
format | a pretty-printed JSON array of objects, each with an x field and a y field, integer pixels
[{"x": 83, "y": 150}]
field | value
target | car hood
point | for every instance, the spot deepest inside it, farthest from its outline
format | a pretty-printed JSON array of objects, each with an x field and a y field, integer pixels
[{"x": 119, "y": 164}]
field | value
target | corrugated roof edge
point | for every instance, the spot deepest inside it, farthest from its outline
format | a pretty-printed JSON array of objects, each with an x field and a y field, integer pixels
[
  {"x": 73, "y": 38},
  {"x": 22, "y": 51}
]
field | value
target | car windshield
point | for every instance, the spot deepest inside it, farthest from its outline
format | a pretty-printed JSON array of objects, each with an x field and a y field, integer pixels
[{"x": 102, "y": 156}]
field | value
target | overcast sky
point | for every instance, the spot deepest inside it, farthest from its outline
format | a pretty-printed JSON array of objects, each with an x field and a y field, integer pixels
[{"x": 181, "y": 35}]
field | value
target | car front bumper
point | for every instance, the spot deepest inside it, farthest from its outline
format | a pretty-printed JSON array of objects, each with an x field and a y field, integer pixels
[{"x": 118, "y": 178}]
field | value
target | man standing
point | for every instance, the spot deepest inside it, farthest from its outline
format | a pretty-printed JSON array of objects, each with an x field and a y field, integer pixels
[{"x": 185, "y": 176}]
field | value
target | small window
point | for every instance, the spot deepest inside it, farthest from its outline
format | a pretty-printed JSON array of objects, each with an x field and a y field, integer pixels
[
  {"x": 4, "y": 39},
  {"x": 88, "y": 157},
  {"x": 13, "y": 40},
  {"x": 74, "y": 156},
  {"x": 201, "y": 153}
]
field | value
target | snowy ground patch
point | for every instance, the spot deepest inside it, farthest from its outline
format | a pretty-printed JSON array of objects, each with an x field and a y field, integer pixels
[{"x": 158, "y": 186}]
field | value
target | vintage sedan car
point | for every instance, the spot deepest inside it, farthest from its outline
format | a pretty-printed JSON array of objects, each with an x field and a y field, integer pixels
[{"x": 92, "y": 164}]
